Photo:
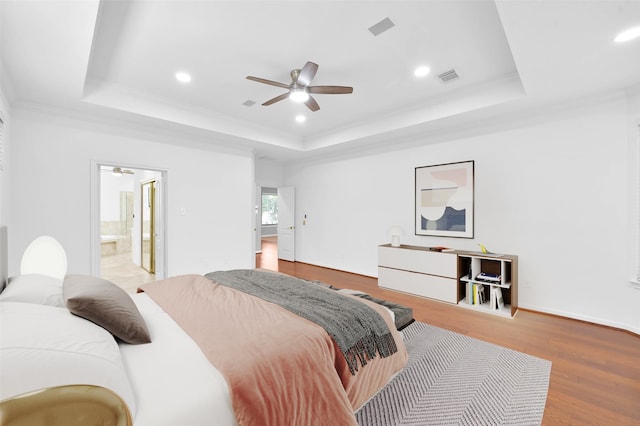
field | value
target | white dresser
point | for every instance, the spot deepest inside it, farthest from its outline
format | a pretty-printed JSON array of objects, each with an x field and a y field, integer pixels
[{"x": 419, "y": 271}]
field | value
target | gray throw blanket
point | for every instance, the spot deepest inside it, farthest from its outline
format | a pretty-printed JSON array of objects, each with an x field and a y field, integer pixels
[{"x": 358, "y": 330}]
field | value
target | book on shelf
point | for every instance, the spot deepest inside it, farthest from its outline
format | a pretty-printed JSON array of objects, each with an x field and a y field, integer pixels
[
  {"x": 479, "y": 294},
  {"x": 498, "y": 301},
  {"x": 485, "y": 276},
  {"x": 493, "y": 302},
  {"x": 475, "y": 293}
]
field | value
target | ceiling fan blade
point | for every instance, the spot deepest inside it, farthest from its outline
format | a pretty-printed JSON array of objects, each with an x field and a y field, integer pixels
[
  {"x": 265, "y": 81},
  {"x": 330, "y": 90},
  {"x": 312, "y": 104},
  {"x": 307, "y": 73},
  {"x": 276, "y": 99}
]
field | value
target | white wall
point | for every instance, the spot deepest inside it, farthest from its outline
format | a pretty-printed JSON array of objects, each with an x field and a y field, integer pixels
[
  {"x": 555, "y": 193},
  {"x": 110, "y": 188},
  {"x": 6, "y": 166},
  {"x": 50, "y": 192},
  {"x": 269, "y": 173}
]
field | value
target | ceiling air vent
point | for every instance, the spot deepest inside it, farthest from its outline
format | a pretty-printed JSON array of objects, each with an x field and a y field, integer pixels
[
  {"x": 248, "y": 103},
  {"x": 448, "y": 76},
  {"x": 382, "y": 26}
]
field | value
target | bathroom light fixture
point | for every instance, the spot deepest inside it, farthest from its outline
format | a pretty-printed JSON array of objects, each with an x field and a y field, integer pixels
[
  {"x": 119, "y": 171},
  {"x": 299, "y": 94},
  {"x": 628, "y": 35},
  {"x": 183, "y": 77},
  {"x": 395, "y": 232}
]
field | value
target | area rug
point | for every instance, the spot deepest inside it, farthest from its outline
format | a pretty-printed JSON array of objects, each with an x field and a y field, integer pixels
[{"x": 452, "y": 379}]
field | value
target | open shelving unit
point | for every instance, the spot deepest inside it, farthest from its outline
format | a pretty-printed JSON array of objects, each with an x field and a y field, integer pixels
[
  {"x": 448, "y": 276},
  {"x": 503, "y": 267}
]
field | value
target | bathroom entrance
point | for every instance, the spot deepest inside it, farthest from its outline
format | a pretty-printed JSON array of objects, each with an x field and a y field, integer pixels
[{"x": 131, "y": 225}]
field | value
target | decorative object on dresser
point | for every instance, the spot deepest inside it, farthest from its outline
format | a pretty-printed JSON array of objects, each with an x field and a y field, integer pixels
[
  {"x": 444, "y": 200},
  {"x": 395, "y": 232},
  {"x": 481, "y": 281}
]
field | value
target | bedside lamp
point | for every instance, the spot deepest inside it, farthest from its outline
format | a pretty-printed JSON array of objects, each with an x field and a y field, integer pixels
[{"x": 395, "y": 232}]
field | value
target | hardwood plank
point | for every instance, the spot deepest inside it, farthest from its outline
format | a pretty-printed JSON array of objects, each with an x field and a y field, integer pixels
[{"x": 595, "y": 374}]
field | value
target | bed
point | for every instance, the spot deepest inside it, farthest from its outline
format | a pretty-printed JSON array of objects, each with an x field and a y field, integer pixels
[{"x": 194, "y": 349}]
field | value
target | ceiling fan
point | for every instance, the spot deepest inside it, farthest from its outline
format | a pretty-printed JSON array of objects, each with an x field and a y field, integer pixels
[{"x": 299, "y": 89}]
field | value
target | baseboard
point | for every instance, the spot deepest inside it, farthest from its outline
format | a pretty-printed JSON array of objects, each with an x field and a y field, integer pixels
[{"x": 583, "y": 318}]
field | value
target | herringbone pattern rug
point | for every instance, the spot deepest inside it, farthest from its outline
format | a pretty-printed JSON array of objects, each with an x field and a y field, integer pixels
[{"x": 452, "y": 379}]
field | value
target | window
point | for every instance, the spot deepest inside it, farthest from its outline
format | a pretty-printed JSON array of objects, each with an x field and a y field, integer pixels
[{"x": 269, "y": 209}]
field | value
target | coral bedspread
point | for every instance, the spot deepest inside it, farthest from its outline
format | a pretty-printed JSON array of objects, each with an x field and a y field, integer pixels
[{"x": 263, "y": 351}]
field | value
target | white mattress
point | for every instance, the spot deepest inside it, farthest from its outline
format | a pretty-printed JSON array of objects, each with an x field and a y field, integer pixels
[{"x": 172, "y": 380}]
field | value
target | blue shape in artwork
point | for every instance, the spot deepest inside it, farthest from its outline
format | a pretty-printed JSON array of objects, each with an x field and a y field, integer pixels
[{"x": 451, "y": 220}]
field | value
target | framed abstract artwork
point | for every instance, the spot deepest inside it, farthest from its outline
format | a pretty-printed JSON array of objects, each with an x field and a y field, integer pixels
[{"x": 444, "y": 200}]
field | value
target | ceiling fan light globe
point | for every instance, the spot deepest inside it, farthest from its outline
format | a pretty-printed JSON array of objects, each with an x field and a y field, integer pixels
[{"x": 299, "y": 95}]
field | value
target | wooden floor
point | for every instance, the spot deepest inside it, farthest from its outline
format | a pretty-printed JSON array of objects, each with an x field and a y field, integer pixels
[{"x": 595, "y": 373}]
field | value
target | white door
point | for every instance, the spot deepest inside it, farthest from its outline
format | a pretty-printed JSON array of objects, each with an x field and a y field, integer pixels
[
  {"x": 257, "y": 225},
  {"x": 286, "y": 223}
]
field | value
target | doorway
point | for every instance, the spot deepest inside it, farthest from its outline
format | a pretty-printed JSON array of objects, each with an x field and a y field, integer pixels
[
  {"x": 128, "y": 219},
  {"x": 275, "y": 222}
]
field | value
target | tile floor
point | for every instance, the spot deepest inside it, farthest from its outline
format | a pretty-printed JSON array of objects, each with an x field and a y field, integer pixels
[{"x": 120, "y": 270}]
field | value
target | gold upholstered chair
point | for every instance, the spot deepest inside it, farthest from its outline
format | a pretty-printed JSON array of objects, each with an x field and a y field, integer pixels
[{"x": 71, "y": 405}]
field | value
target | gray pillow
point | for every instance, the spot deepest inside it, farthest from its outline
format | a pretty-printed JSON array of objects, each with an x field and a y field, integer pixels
[{"x": 104, "y": 303}]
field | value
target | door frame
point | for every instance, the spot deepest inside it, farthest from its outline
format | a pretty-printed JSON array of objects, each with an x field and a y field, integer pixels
[
  {"x": 161, "y": 225},
  {"x": 153, "y": 217},
  {"x": 286, "y": 227}
]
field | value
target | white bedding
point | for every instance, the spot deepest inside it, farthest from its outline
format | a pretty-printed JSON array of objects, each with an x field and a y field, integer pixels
[
  {"x": 173, "y": 382},
  {"x": 165, "y": 383}
]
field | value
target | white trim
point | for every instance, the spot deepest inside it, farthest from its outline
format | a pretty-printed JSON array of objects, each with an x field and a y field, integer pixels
[
  {"x": 94, "y": 220},
  {"x": 586, "y": 318},
  {"x": 636, "y": 173},
  {"x": 1, "y": 142}
]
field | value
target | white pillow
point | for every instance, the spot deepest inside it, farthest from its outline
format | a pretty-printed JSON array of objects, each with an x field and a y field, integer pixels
[
  {"x": 44, "y": 346},
  {"x": 34, "y": 288}
]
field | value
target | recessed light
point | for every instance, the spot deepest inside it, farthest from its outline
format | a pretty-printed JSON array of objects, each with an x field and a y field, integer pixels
[
  {"x": 301, "y": 118},
  {"x": 421, "y": 71},
  {"x": 183, "y": 77},
  {"x": 628, "y": 35}
]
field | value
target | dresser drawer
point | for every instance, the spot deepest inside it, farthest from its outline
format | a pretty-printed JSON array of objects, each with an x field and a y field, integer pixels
[
  {"x": 432, "y": 286},
  {"x": 417, "y": 260}
]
